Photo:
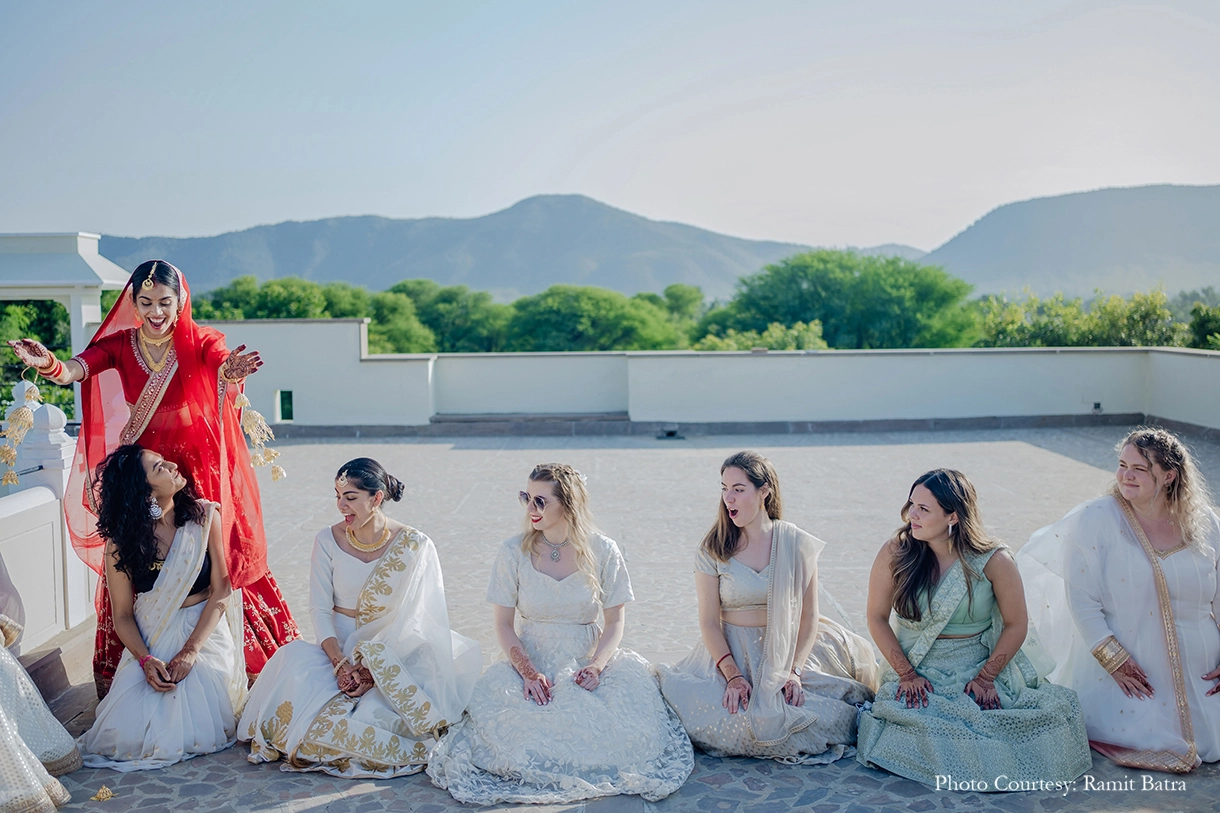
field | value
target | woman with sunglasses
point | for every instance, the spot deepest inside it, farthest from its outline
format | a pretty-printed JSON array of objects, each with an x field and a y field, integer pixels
[{"x": 569, "y": 715}]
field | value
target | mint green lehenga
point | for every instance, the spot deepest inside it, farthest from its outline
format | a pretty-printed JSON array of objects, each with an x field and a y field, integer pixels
[{"x": 1037, "y": 735}]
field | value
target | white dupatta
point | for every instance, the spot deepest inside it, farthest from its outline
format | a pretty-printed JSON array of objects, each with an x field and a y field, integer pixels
[
  {"x": 794, "y": 558},
  {"x": 154, "y": 609},
  {"x": 422, "y": 668}
]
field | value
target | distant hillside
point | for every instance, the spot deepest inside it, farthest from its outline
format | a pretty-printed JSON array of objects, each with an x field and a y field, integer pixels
[
  {"x": 1120, "y": 240},
  {"x": 524, "y": 249}
]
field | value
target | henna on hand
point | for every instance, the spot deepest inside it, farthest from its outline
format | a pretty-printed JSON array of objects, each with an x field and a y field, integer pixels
[
  {"x": 588, "y": 678},
  {"x": 1133, "y": 680},
  {"x": 522, "y": 663},
  {"x": 238, "y": 366},
  {"x": 984, "y": 692}
]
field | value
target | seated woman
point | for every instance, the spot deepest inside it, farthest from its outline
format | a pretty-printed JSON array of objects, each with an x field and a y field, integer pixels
[
  {"x": 960, "y": 698},
  {"x": 34, "y": 747},
  {"x": 183, "y": 674},
  {"x": 387, "y": 674},
  {"x": 570, "y": 715},
  {"x": 1135, "y": 634},
  {"x": 771, "y": 677}
]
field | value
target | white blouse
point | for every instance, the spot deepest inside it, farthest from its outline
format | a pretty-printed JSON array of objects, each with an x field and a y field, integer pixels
[
  {"x": 571, "y": 600},
  {"x": 336, "y": 579},
  {"x": 741, "y": 586}
]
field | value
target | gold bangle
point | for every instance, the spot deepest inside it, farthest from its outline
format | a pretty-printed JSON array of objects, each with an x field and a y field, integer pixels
[
  {"x": 339, "y": 665},
  {"x": 1111, "y": 655}
]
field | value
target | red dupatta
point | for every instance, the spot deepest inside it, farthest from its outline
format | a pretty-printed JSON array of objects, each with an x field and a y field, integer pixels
[{"x": 214, "y": 431}]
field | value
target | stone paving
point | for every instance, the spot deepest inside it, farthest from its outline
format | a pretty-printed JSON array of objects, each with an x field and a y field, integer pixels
[{"x": 656, "y": 498}]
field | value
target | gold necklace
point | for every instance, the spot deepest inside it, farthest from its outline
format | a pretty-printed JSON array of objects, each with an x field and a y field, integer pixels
[
  {"x": 368, "y": 547},
  {"x": 153, "y": 364},
  {"x": 156, "y": 342}
]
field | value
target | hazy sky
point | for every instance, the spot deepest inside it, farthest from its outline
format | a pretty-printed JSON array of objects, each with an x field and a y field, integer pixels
[{"x": 827, "y": 123}]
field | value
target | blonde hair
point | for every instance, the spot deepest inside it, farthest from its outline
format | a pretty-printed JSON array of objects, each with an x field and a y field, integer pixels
[
  {"x": 1186, "y": 495},
  {"x": 724, "y": 537},
  {"x": 573, "y": 497}
]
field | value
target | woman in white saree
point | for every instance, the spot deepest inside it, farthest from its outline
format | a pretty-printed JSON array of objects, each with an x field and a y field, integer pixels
[
  {"x": 387, "y": 675},
  {"x": 569, "y": 715},
  {"x": 771, "y": 678},
  {"x": 34, "y": 747},
  {"x": 1125, "y": 593},
  {"x": 182, "y": 676}
]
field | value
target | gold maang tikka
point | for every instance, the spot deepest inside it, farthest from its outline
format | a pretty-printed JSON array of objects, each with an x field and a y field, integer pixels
[
  {"x": 341, "y": 482},
  {"x": 148, "y": 283}
]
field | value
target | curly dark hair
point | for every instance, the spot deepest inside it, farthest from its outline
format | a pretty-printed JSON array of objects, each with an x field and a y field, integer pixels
[{"x": 122, "y": 515}]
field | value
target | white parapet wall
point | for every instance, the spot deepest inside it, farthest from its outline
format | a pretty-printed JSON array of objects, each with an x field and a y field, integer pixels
[{"x": 325, "y": 364}]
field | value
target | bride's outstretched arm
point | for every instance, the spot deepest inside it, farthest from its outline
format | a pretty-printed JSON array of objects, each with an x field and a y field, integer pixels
[
  {"x": 32, "y": 353},
  {"x": 537, "y": 686}
]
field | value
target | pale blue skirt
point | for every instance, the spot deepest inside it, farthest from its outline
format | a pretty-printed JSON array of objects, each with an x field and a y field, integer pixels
[{"x": 1037, "y": 735}]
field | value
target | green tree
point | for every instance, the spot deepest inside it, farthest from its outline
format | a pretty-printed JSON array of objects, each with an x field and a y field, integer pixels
[
  {"x": 288, "y": 298},
  {"x": 1205, "y": 326},
  {"x": 861, "y": 302},
  {"x": 396, "y": 328},
  {"x": 44, "y": 320},
  {"x": 800, "y": 336},
  {"x": 1142, "y": 320},
  {"x": 463, "y": 321},
  {"x": 344, "y": 301},
  {"x": 1183, "y": 304},
  {"x": 685, "y": 302},
  {"x": 572, "y": 317}
]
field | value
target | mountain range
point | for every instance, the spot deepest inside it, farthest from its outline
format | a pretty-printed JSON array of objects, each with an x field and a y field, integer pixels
[{"x": 1119, "y": 240}]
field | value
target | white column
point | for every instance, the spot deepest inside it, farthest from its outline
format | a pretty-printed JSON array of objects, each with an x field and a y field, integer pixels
[{"x": 84, "y": 311}]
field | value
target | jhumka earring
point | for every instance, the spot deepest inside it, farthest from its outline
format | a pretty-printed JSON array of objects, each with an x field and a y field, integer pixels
[{"x": 154, "y": 509}]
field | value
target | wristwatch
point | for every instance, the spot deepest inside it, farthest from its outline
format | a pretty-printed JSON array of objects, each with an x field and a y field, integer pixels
[{"x": 796, "y": 670}]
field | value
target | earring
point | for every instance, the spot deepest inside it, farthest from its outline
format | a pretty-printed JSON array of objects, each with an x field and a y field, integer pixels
[
  {"x": 154, "y": 510},
  {"x": 951, "y": 526}
]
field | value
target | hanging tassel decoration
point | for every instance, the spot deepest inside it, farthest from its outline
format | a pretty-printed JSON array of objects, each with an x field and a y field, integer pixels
[
  {"x": 256, "y": 428},
  {"x": 20, "y": 422}
]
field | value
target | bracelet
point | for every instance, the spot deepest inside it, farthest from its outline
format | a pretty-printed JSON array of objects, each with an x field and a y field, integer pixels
[
  {"x": 736, "y": 677},
  {"x": 339, "y": 665},
  {"x": 722, "y": 657},
  {"x": 144, "y": 660},
  {"x": 1111, "y": 655},
  {"x": 53, "y": 370}
]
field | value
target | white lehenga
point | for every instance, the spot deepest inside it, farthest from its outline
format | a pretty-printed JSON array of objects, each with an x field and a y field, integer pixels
[
  {"x": 840, "y": 671},
  {"x": 137, "y": 727},
  {"x": 423, "y": 672},
  {"x": 620, "y": 738},
  {"x": 34, "y": 747},
  {"x": 1093, "y": 575}
]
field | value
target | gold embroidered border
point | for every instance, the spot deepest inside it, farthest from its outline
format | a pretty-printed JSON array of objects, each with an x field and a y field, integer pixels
[
  {"x": 1111, "y": 655},
  {"x": 377, "y": 585},
  {"x": 150, "y": 399},
  {"x": 411, "y": 703},
  {"x": 1188, "y": 761},
  {"x": 68, "y": 763}
]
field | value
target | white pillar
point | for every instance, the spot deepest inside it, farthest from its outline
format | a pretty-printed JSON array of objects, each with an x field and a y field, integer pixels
[{"x": 84, "y": 311}]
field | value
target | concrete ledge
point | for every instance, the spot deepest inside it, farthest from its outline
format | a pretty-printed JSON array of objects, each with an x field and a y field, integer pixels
[
  {"x": 62, "y": 669},
  {"x": 601, "y": 424}
]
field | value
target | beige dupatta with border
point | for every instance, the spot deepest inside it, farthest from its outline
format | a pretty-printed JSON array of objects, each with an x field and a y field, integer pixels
[{"x": 794, "y": 558}]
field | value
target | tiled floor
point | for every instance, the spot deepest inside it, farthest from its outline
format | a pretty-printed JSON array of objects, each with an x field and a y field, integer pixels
[{"x": 657, "y": 498}]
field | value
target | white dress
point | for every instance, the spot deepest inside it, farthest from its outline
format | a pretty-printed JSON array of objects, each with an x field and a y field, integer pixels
[
  {"x": 1088, "y": 577},
  {"x": 34, "y": 747},
  {"x": 423, "y": 672},
  {"x": 839, "y": 673},
  {"x": 137, "y": 727},
  {"x": 620, "y": 738}
]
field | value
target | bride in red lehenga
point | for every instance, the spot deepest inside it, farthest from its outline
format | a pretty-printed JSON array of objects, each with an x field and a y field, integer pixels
[{"x": 153, "y": 376}]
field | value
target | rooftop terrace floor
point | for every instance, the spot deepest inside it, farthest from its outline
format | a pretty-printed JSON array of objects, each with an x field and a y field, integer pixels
[{"x": 656, "y": 498}]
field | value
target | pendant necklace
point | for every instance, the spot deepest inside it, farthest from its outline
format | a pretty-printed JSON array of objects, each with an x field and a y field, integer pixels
[
  {"x": 146, "y": 346},
  {"x": 364, "y": 547},
  {"x": 554, "y": 548}
]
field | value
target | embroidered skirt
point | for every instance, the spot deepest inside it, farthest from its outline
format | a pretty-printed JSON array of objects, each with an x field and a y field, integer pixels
[
  {"x": 836, "y": 676},
  {"x": 1037, "y": 735}
]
